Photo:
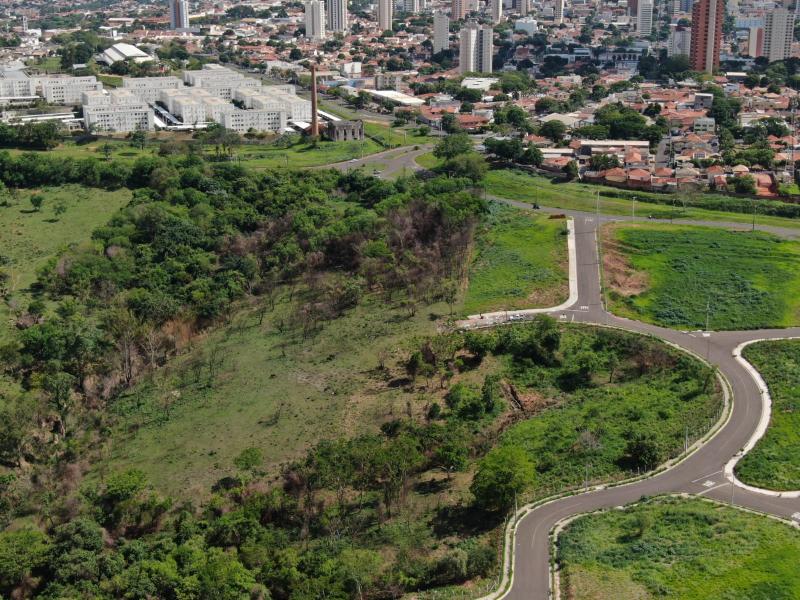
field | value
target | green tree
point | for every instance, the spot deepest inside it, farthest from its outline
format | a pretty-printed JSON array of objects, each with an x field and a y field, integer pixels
[
  {"x": 502, "y": 474},
  {"x": 453, "y": 145},
  {"x": 471, "y": 166},
  {"x": 554, "y": 130},
  {"x": 37, "y": 200},
  {"x": 21, "y": 552},
  {"x": 571, "y": 170}
]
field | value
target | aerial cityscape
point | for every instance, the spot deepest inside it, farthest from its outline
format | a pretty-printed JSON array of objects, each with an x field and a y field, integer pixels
[{"x": 419, "y": 299}]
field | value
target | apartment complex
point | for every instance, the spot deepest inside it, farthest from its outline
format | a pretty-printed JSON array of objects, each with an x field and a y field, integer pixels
[
  {"x": 680, "y": 41},
  {"x": 441, "y": 31},
  {"x": 147, "y": 89},
  {"x": 256, "y": 120},
  {"x": 218, "y": 80},
  {"x": 275, "y": 97},
  {"x": 315, "y": 20},
  {"x": 336, "y": 14},
  {"x": 476, "y": 48},
  {"x": 385, "y": 14},
  {"x": 644, "y": 18},
  {"x": 707, "y": 19},
  {"x": 64, "y": 89},
  {"x": 778, "y": 34},
  {"x": 117, "y": 110},
  {"x": 179, "y": 14}
]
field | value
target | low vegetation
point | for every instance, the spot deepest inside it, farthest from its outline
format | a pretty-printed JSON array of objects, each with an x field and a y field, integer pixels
[
  {"x": 774, "y": 463},
  {"x": 677, "y": 548},
  {"x": 689, "y": 276},
  {"x": 520, "y": 262}
]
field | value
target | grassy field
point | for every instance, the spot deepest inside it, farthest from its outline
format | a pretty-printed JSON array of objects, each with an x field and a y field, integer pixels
[
  {"x": 520, "y": 262},
  {"x": 28, "y": 238},
  {"x": 682, "y": 549},
  {"x": 671, "y": 275},
  {"x": 428, "y": 160},
  {"x": 775, "y": 461},
  {"x": 584, "y": 429},
  {"x": 273, "y": 389},
  {"x": 518, "y": 185}
]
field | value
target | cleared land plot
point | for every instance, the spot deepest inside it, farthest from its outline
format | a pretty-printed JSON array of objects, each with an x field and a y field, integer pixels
[
  {"x": 775, "y": 461},
  {"x": 679, "y": 276},
  {"x": 522, "y": 186},
  {"x": 687, "y": 549},
  {"x": 520, "y": 262}
]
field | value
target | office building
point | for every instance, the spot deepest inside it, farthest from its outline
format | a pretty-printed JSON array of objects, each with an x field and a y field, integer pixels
[
  {"x": 179, "y": 14},
  {"x": 495, "y": 10},
  {"x": 315, "y": 20},
  {"x": 336, "y": 13},
  {"x": 778, "y": 34},
  {"x": 147, "y": 89},
  {"x": 707, "y": 19},
  {"x": 441, "y": 31},
  {"x": 476, "y": 48},
  {"x": 644, "y": 18},
  {"x": 385, "y": 14},
  {"x": 680, "y": 40},
  {"x": 116, "y": 110}
]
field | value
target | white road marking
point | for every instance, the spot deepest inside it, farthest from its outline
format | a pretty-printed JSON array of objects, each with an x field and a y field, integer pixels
[
  {"x": 706, "y": 476},
  {"x": 708, "y": 483},
  {"x": 710, "y": 489},
  {"x": 584, "y": 307},
  {"x": 796, "y": 517}
]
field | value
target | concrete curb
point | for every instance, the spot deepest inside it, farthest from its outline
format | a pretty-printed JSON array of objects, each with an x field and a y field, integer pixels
[{"x": 761, "y": 429}]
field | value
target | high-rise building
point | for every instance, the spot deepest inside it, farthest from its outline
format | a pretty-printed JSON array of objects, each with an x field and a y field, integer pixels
[
  {"x": 315, "y": 20},
  {"x": 558, "y": 12},
  {"x": 754, "y": 45},
  {"x": 385, "y": 14},
  {"x": 413, "y": 6},
  {"x": 441, "y": 31},
  {"x": 707, "y": 18},
  {"x": 459, "y": 9},
  {"x": 336, "y": 13},
  {"x": 680, "y": 40},
  {"x": 476, "y": 48},
  {"x": 644, "y": 18},
  {"x": 778, "y": 34},
  {"x": 179, "y": 14},
  {"x": 495, "y": 10}
]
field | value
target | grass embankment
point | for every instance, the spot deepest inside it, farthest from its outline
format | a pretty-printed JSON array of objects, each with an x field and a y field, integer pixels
[
  {"x": 522, "y": 186},
  {"x": 428, "y": 161},
  {"x": 671, "y": 548},
  {"x": 29, "y": 237},
  {"x": 678, "y": 276},
  {"x": 774, "y": 463},
  {"x": 520, "y": 262}
]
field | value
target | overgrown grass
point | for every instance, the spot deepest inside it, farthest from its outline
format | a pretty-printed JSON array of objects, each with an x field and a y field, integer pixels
[
  {"x": 583, "y": 428},
  {"x": 520, "y": 262},
  {"x": 29, "y": 237},
  {"x": 676, "y": 548},
  {"x": 774, "y": 463},
  {"x": 522, "y": 186},
  {"x": 743, "y": 280},
  {"x": 428, "y": 160}
]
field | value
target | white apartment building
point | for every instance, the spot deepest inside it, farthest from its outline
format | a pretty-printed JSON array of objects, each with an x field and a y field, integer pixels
[
  {"x": 16, "y": 84},
  {"x": 258, "y": 120},
  {"x": 315, "y": 20},
  {"x": 558, "y": 12},
  {"x": 385, "y": 14},
  {"x": 680, "y": 41},
  {"x": 116, "y": 110},
  {"x": 65, "y": 90},
  {"x": 778, "y": 34},
  {"x": 644, "y": 18},
  {"x": 527, "y": 24},
  {"x": 476, "y": 48},
  {"x": 219, "y": 81},
  {"x": 495, "y": 10},
  {"x": 179, "y": 14},
  {"x": 441, "y": 31},
  {"x": 336, "y": 13},
  {"x": 275, "y": 97},
  {"x": 148, "y": 89}
]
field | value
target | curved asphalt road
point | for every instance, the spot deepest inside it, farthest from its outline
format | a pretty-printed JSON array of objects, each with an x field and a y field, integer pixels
[{"x": 702, "y": 472}]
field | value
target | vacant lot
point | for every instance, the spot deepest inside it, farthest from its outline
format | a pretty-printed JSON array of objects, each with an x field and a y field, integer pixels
[
  {"x": 775, "y": 461},
  {"x": 687, "y": 549},
  {"x": 28, "y": 237},
  {"x": 679, "y": 276},
  {"x": 519, "y": 185},
  {"x": 520, "y": 262}
]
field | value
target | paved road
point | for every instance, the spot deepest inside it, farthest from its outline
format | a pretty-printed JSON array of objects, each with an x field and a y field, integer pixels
[
  {"x": 701, "y": 473},
  {"x": 391, "y": 163}
]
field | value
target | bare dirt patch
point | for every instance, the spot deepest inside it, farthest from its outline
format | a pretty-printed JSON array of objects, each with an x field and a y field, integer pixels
[{"x": 619, "y": 275}]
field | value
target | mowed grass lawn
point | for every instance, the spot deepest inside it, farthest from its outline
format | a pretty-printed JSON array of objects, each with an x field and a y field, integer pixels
[
  {"x": 747, "y": 280},
  {"x": 272, "y": 389},
  {"x": 522, "y": 186},
  {"x": 28, "y": 238},
  {"x": 774, "y": 463},
  {"x": 682, "y": 549},
  {"x": 520, "y": 262}
]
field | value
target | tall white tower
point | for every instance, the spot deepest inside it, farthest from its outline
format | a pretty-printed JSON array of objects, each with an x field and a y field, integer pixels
[
  {"x": 336, "y": 12},
  {"x": 644, "y": 18},
  {"x": 315, "y": 20},
  {"x": 476, "y": 48},
  {"x": 385, "y": 14},
  {"x": 495, "y": 10},
  {"x": 179, "y": 14},
  {"x": 778, "y": 34},
  {"x": 441, "y": 31},
  {"x": 558, "y": 12}
]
